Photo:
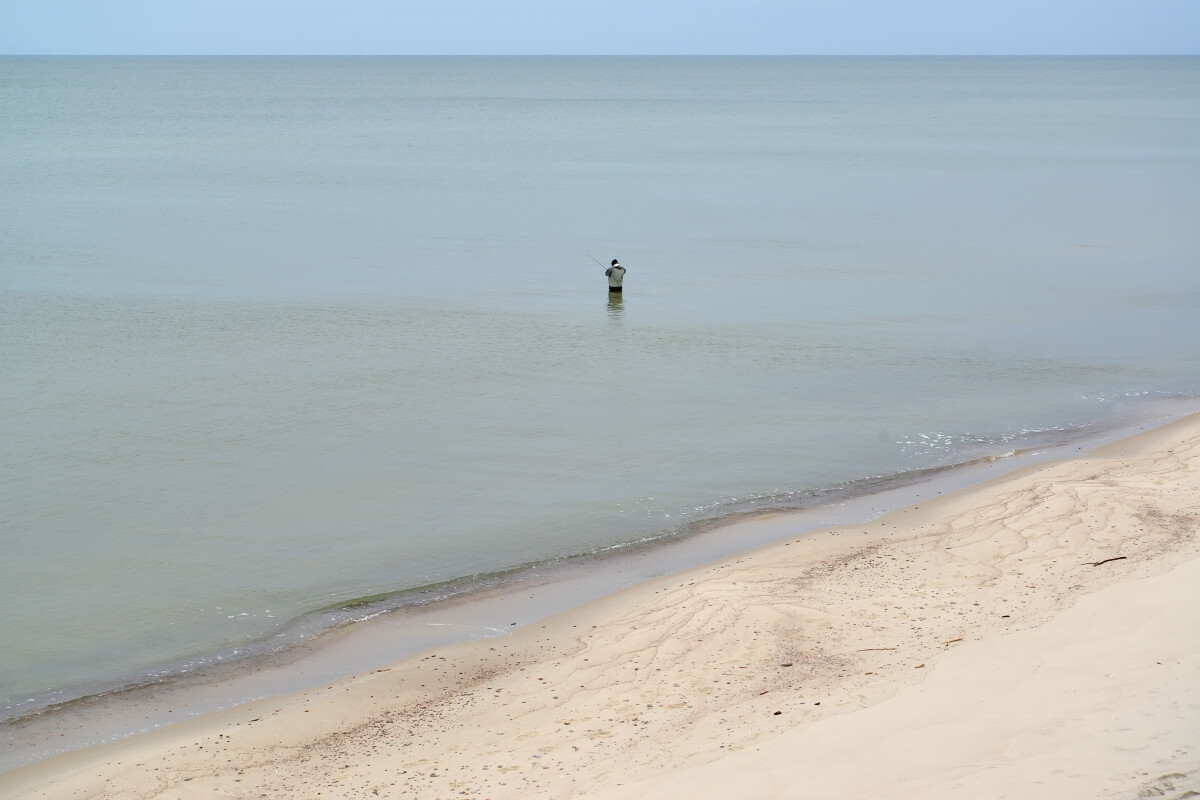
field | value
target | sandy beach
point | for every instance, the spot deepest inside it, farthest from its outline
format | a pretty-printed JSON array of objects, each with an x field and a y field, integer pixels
[{"x": 1037, "y": 635}]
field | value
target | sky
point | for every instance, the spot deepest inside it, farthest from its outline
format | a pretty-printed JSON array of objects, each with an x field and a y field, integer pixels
[{"x": 604, "y": 27}]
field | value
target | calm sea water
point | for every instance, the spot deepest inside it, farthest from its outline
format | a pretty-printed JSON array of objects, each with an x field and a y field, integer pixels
[{"x": 280, "y": 334}]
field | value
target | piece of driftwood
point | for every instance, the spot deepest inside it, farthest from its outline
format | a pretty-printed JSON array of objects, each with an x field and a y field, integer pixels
[
  {"x": 868, "y": 649},
  {"x": 952, "y": 641},
  {"x": 1105, "y": 561}
]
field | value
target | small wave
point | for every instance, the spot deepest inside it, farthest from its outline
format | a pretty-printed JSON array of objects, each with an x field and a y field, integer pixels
[{"x": 959, "y": 450}]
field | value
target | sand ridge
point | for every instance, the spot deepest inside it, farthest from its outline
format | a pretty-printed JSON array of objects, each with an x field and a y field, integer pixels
[{"x": 686, "y": 681}]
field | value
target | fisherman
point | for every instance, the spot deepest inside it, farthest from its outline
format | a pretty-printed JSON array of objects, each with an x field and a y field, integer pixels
[{"x": 616, "y": 276}]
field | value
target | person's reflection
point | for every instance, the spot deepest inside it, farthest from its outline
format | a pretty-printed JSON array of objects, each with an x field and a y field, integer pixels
[{"x": 616, "y": 305}]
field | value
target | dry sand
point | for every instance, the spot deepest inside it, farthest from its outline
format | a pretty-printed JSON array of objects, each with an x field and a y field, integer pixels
[{"x": 978, "y": 645}]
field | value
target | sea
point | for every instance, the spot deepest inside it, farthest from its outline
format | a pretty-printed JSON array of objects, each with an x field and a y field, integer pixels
[{"x": 287, "y": 343}]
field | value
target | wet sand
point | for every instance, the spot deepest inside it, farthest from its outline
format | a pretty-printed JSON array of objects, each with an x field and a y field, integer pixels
[{"x": 1037, "y": 635}]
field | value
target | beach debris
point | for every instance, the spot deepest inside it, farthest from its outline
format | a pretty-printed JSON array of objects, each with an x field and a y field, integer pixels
[
  {"x": 869, "y": 649},
  {"x": 777, "y": 713},
  {"x": 918, "y": 666},
  {"x": 952, "y": 641},
  {"x": 1105, "y": 561},
  {"x": 788, "y": 664}
]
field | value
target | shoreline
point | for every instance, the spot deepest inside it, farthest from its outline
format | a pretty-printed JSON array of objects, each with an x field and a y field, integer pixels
[
  {"x": 386, "y": 635},
  {"x": 817, "y": 630}
]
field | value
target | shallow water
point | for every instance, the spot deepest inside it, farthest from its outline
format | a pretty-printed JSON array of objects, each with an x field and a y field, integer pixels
[{"x": 280, "y": 334}]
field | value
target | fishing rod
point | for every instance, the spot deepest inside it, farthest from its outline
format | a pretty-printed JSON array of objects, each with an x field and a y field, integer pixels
[{"x": 593, "y": 258}]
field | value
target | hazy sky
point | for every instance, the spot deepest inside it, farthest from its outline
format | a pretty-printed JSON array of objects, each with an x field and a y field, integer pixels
[{"x": 600, "y": 26}]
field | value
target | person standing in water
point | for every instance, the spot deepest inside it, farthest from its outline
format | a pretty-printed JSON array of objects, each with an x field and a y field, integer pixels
[{"x": 616, "y": 276}]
